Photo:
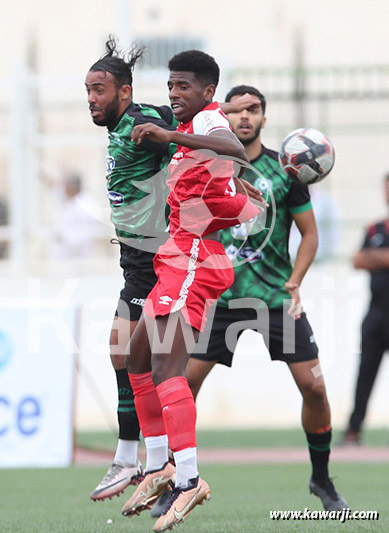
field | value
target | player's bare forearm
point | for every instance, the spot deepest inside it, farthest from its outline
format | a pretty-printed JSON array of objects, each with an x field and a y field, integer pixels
[
  {"x": 305, "y": 256},
  {"x": 219, "y": 142},
  {"x": 246, "y": 101},
  {"x": 361, "y": 261},
  {"x": 306, "y": 225},
  {"x": 372, "y": 259}
]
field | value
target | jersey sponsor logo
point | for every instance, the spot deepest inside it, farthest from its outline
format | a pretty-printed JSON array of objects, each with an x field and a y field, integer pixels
[
  {"x": 165, "y": 300},
  {"x": 116, "y": 198},
  {"x": 138, "y": 301},
  {"x": 312, "y": 339},
  {"x": 232, "y": 251},
  {"x": 115, "y": 138},
  {"x": 251, "y": 254},
  {"x": 110, "y": 165},
  {"x": 231, "y": 189}
]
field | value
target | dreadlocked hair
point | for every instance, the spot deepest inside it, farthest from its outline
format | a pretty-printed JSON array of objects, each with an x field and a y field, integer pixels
[{"x": 120, "y": 63}]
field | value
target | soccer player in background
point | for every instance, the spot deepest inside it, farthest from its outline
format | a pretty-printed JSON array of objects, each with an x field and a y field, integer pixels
[
  {"x": 269, "y": 276},
  {"x": 193, "y": 271},
  {"x": 110, "y": 98},
  {"x": 374, "y": 258}
]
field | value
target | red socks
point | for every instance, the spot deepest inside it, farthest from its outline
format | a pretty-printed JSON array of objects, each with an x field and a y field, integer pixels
[
  {"x": 147, "y": 405},
  {"x": 168, "y": 408},
  {"x": 179, "y": 412}
]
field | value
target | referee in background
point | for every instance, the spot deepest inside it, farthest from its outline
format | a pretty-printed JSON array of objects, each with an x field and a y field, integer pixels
[{"x": 373, "y": 257}]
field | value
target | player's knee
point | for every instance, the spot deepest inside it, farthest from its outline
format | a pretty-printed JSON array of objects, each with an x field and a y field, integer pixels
[
  {"x": 314, "y": 391},
  {"x": 117, "y": 350},
  {"x": 195, "y": 388},
  {"x": 158, "y": 369},
  {"x": 163, "y": 368},
  {"x": 118, "y": 360},
  {"x": 194, "y": 383},
  {"x": 127, "y": 362}
]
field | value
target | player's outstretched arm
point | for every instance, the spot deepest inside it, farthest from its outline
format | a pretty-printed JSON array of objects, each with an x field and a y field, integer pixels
[
  {"x": 150, "y": 131},
  {"x": 306, "y": 225},
  {"x": 221, "y": 141}
]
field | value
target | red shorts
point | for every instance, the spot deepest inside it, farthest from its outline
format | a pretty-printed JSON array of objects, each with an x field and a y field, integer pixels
[{"x": 192, "y": 275}]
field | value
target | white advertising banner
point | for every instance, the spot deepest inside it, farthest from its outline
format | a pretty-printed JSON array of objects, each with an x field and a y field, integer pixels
[{"x": 37, "y": 364}]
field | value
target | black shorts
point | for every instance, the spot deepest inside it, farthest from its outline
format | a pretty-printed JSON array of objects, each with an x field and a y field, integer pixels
[
  {"x": 286, "y": 339},
  {"x": 140, "y": 278}
]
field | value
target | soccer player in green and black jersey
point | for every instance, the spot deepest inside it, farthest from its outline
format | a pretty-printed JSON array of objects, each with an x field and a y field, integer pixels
[
  {"x": 134, "y": 181},
  {"x": 265, "y": 275}
]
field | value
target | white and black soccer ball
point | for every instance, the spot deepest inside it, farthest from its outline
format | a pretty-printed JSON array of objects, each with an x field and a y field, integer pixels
[{"x": 306, "y": 156}]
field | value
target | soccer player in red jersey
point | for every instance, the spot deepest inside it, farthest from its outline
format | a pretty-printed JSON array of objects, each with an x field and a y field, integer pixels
[{"x": 193, "y": 271}]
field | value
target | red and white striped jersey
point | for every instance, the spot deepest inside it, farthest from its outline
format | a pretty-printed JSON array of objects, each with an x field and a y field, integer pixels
[{"x": 202, "y": 195}]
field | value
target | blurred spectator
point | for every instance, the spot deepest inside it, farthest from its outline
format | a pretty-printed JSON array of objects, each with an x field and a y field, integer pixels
[
  {"x": 373, "y": 257},
  {"x": 75, "y": 231},
  {"x": 327, "y": 220}
]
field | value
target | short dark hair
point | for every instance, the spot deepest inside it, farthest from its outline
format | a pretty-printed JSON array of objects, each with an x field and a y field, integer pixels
[
  {"x": 120, "y": 63},
  {"x": 201, "y": 64},
  {"x": 240, "y": 90}
]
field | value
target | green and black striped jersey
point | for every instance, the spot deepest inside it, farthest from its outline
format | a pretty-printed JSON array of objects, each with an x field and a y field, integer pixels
[
  {"x": 136, "y": 181},
  {"x": 264, "y": 269}
]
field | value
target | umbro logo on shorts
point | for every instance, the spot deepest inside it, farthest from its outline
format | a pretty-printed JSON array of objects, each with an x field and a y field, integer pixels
[
  {"x": 138, "y": 301},
  {"x": 165, "y": 300}
]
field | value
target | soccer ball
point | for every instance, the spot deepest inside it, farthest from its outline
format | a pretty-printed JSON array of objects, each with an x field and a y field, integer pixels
[{"x": 306, "y": 156}]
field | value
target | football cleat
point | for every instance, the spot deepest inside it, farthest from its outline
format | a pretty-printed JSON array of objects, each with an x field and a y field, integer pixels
[
  {"x": 118, "y": 477},
  {"x": 160, "y": 505},
  {"x": 148, "y": 491},
  {"x": 182, "y": 501},
  {"x": 330, "y": 497},
  {"x": 351, "y": 438}
]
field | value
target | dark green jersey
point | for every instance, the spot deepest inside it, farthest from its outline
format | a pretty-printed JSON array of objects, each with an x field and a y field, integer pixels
[
  {"x": 265, "y": 267},
  {"x": 136, "y": 183}
]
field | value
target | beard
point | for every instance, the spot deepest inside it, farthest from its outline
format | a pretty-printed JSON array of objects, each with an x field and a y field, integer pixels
[
  {"x": 111, "y": 114},
  {"x": 249, "y": 140}
]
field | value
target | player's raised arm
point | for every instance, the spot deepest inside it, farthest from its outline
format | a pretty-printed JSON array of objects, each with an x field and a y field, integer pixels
[
  {"x": 221, "y": 141},
  {"x": 246, "y": 101}
]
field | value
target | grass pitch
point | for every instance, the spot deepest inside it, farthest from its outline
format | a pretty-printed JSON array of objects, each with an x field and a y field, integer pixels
[
  {"x": 56, "y": 500},
  {"x": 242, "y": 438}
]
